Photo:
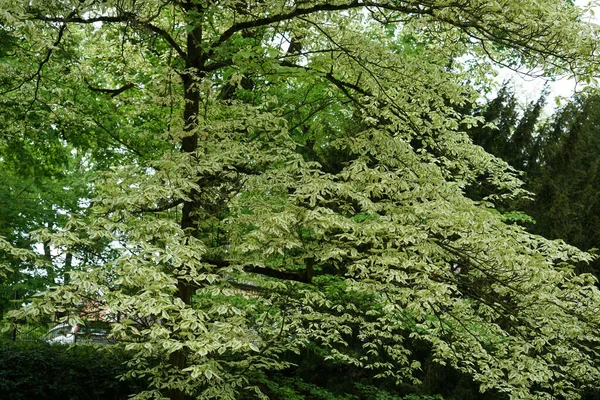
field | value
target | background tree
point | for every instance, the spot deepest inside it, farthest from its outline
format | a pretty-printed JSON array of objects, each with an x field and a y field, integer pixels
[
  {"x": 566, "y": 187},
  {"x": 56, "y": 138},
  {"x": 558, "y": 158}
]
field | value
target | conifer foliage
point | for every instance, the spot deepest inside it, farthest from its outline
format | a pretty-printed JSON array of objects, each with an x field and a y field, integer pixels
[
  {"x": 287, "y": 174},
  {"x": 566, "y": 184}
]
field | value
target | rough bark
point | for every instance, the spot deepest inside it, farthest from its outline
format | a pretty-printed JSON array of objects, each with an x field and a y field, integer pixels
[{"x": 189, "y": 144}]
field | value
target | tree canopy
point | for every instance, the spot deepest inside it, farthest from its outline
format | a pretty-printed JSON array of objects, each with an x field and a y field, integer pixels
[{"x": 272, "y": 177}]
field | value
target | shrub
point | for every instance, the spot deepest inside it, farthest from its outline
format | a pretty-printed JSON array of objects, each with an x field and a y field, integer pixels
[{"x": 39, "y": 370}]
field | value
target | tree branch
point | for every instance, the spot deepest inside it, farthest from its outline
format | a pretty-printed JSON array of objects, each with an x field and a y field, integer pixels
[
  {"x": 111, "y": 92},
  {"x": 300, "y": 276},
  {"x": 165, "y": 35},
  {"x": 38, "y": 73},
  {"x": 298, "y": 12},
  {"x": 304, "y": 276},
  {"x": 115, "y": 137},
  {"x": 159, "y": 209},
  {"x": 343, "y": 86},
  {"x": 125, "y": 17}
]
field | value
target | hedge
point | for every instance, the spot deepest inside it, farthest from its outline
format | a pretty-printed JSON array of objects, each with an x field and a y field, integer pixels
[{"x": 39, "y": 370}]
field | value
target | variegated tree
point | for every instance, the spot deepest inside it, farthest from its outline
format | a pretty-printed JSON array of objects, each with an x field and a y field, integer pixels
[{"x": 297, "y": 177}]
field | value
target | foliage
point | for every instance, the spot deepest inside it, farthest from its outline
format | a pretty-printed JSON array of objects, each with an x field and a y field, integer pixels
[
  {"x": 561, "y": 170},
  {"x": 55, "y": 138},
  {"x": 567, "y": 184},
  {"x": 38, "y": 370},
  {"x": 10, "y": 253},
  {"x": 286, "y": 176}
]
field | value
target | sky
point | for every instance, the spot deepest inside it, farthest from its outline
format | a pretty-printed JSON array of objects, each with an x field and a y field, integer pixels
[{"x": 529, "y": 89}]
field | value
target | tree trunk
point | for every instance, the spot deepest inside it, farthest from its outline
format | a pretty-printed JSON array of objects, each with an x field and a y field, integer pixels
[
  {"x": 189, "y": 144},
  {"x": 67, "y": 268},
  {"x": 51, "y": 275}
]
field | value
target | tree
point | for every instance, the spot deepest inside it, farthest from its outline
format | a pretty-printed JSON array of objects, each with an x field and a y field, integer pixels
[
  {"x": 567, "y": 182},
  {"x": 311, "y": 153},
  {"x": 512, "y": 134},
  {"x": 558, "y": 158},
  {"x": 56, "y": 137}
]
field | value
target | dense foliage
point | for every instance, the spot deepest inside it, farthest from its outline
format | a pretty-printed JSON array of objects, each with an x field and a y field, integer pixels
[
  {"x": 559, "y": 158},
  {"x": 37, "y": 370},
  {"x": 276, "y": 177},
  {"x": 567, "y": 182}
]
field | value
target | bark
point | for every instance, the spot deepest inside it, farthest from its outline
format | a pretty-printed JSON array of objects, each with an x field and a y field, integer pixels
[
  {"x": 67, "y": 269},
  {"x": 50, "y": 268},
  {"x": 189, "y": 144}
]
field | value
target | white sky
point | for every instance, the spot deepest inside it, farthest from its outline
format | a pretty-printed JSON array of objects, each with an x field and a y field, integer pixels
[{"x": 529, "y": 89}]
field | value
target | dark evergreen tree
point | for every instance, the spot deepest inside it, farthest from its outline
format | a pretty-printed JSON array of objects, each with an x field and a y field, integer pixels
[
  {"x": 559, "y": 157},
  {"x": 509, "y": 132},
  {"x": 502, "y": 111},
  {"x": 568, "y": 198},
  {"x": 513, "y": 136}
]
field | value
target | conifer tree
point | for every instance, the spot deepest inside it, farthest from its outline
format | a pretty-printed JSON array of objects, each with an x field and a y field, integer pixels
[{"x": 566, "y": 188}]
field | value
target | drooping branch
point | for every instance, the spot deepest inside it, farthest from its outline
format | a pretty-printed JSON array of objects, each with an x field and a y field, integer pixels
[
  {"x": 115, "y": 137},
  {"x": 37, "y": 75},
  {"x": 347, "y": 87},
  {"x": 125, "y": 17},
  {"x": 299, "y": 12},
  {"x": 314, "y": 112},
  {"x": 161, "y": 208},
  {"x": 111, "y": 92},
  {"x": 342, "y": 85}
]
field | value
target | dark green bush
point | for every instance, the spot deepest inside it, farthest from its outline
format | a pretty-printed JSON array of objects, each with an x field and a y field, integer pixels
[{"x": 38, "y": 370}]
